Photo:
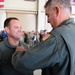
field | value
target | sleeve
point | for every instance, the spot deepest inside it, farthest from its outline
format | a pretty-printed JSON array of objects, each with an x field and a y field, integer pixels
[
  {"x": 42, "y": 55},
  {"x": 24, "y": 44}
]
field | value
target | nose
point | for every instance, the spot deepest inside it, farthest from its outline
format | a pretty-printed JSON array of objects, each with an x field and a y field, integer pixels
[{"x": 20, "y": 29}]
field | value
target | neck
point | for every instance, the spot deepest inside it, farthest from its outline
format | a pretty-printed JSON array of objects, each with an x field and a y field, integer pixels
[
  {"x": 66, "y": 16},
  {"x": 13, "y": 42}
]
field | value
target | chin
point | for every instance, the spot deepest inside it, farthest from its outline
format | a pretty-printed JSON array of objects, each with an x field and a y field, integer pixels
[{"x": 17, "y": 39}]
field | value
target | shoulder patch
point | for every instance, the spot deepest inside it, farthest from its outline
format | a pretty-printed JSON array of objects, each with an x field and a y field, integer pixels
[{"x": 46, "y": 37}]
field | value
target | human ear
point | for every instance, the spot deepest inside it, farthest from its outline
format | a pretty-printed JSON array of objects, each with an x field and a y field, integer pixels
[
  {"x": 57, "y": 10},
  {"x": 6, "y": 29}
]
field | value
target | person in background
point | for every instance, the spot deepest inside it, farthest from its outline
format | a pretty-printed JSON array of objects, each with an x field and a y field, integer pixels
[
  {"x": 22, "y": 37},
  {"x": 41, "y": 34},
  {"x": 38, "y": 37},
  {"x": 12, "y": 43},
  {"x": 4, "y": 34},
  {"x": 55, "y": 55},
  {"x": 1, "y": 38}
]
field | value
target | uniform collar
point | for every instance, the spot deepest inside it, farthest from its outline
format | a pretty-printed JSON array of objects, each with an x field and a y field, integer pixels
[
  {"x": 69, "y": 20},
  {"x": 6, "y": 42}
]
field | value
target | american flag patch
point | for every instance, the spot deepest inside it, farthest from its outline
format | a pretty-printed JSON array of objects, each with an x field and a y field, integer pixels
[{"x": 46, "y": 37}]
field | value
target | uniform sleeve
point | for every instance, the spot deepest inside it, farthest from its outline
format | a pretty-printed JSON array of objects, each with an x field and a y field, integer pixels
[
  {"x": 24, "y": 44},
  {"x": 42, "y": 55}
]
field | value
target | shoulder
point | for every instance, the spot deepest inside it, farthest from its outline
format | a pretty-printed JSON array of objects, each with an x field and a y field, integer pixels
[{"x": 1, "y": 44}]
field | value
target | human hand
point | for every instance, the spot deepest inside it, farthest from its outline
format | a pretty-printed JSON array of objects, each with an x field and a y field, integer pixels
[{"x": 20, "y": 48}]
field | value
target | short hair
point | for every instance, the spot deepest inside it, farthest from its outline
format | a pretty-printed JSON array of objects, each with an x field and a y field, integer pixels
[
  {"x": 62, "y": 3},
  {"x": 7, "y": 21}
]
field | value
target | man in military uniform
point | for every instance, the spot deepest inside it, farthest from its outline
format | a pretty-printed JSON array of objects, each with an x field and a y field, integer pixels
[
  {"x": 9, "y": 45},
  {"x": 55, "y": 55}
]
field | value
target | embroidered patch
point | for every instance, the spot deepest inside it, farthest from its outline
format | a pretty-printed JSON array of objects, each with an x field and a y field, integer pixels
[{"x": 46, "y": 37}]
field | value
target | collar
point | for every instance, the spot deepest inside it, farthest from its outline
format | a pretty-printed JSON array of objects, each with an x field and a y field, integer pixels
[
  {"x": 69, "y": 20},
  {"x": 6, "y": 42}
]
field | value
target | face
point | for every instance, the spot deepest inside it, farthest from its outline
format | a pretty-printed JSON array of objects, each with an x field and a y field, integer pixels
[
  {"x": 14, "y": 30},
  {"x": 51, "y": 16}
]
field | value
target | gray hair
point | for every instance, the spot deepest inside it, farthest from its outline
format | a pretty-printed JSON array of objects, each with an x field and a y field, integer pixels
[{"x": 65, "y": 4}]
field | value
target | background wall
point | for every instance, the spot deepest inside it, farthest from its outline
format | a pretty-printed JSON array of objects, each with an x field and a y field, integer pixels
[
  {"x": 25, "y": 11},
  {"x": 27, "y": 19},
  {"x": 21, "y": 5},
  {"x": 73, "y": 12}
]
